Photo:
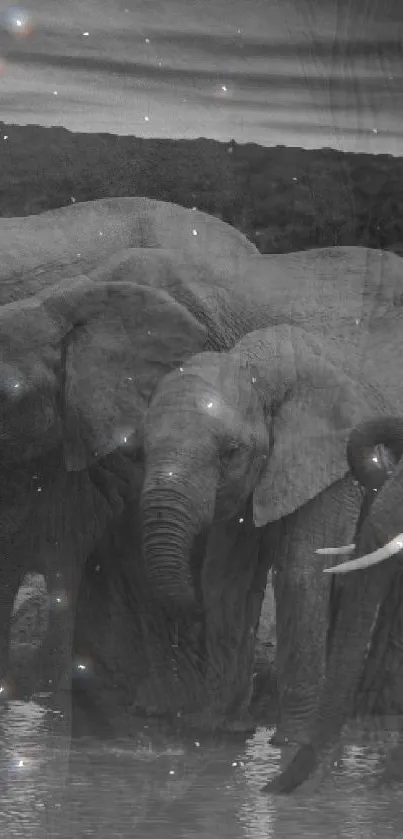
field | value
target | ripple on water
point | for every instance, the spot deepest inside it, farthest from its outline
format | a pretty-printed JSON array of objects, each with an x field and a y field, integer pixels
[{"x": 158, "y": 786}]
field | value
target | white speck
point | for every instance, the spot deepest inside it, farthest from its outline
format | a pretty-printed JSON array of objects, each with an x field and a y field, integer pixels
[
  {"x": 20, "y": 764},
  {"x": 241, "y": 763},
  {"x": 81, "y": 667},
  {"x": 375, "y": 459},
  {"x": 357, "y": 321},
  {"x": 129, "y": 378},
  {"x": 55, "y": 93},
  {"x": 72, "y": 199},
  {"x": 97, "y": 567},
  {"x": 170, "y": 474},
  {"x": 58, "y": 599},
  {"x": 197, "y": 744},
  {"x": 295, "y": 179},
  {"x": 253, "y": 380},
  {"x": 194, "y": 208},
  {"x": 234, "y": 763},
  {"x": 16, "y": 386},
  {"x": 181, "y": 369},
  {"x": 148, "y": 332},
  {"x": 239, "y": 31},
  {"x": 172, "y": 771},
  {"x": 125, "y": 439},
  {"x": 5, "y": 137},
  {"x": 160, "y": 64},
  {"x": 79, "y": 254},
  {"x": 209, "y": 404},
  {"x": 375, "y": 130},
  {"x": 224, "y": 88},
  {"x": 86, "y": 34},
  {"x": 146, "y": 119},
  {"x": 241, "y": 521},
  {"x": 147, "y": 40},
  {"x": 39, "y": 489},
  {"x": 194, "y": 232},
  {"x": 101, "y": 233}
]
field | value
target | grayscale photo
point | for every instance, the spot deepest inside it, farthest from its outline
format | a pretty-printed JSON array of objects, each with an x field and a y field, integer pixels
[{"x": 201, "y": 419}]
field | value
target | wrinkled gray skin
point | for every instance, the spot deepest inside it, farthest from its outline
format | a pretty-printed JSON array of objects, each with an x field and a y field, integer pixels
[
  {"x": 268, "y": 422},
  {"x": 375, "y": 456},
  {"x": 87, "y": 357}
]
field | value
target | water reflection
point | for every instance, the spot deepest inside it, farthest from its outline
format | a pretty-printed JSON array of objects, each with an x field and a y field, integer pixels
[{"x": 156, "y": 785}]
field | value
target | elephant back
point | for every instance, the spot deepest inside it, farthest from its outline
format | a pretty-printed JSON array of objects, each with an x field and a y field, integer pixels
[{"x": 40, "y": 250}]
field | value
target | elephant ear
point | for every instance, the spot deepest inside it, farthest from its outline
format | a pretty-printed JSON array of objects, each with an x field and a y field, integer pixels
[
  {"x": 312, "y": 400},
  {"x": 114, "y": 356}
]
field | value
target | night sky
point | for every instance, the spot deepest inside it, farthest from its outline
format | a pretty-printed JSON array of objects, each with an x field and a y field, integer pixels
[{"x": 306, "y": 73}]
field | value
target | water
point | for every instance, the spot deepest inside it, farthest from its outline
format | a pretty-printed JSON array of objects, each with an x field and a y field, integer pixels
[{"x": 159, "y": 787}]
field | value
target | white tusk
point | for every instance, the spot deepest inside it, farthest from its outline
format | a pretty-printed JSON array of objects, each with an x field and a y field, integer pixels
[
  {"x": 343, "y": 549},
  {"x": 393, "y": 547}
]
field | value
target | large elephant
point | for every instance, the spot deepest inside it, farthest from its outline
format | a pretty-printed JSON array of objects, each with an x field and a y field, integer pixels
[
  {"x": 253, "y": 441},
  {"x": 364, "y": 597},
  {"x": 363, "y": 610},
  {"x": 78, "y": 365},
  {"x": 59, "y": 244}
]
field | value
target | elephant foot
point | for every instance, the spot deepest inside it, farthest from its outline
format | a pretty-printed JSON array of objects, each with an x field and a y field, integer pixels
[
  {"x": 289, "y": 735},
  {"x": 219, "y": 723},
  {"x": 298, "y": 770}
]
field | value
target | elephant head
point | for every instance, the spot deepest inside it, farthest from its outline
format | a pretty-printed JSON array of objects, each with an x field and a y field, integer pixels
[
  {"x": 269, "y": 419},
  {"x": 79, "y": 363},
  {"x": 374, "y": 453}
]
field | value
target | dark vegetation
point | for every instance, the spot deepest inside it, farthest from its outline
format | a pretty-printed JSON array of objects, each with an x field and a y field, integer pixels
[{"x": 284, "y": 199}]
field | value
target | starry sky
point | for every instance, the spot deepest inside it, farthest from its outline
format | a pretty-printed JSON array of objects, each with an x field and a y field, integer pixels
[{"x": 308, "y": 73}]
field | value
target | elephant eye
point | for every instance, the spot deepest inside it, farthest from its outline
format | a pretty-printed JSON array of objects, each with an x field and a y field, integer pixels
[{"x": 230, "y": 449}]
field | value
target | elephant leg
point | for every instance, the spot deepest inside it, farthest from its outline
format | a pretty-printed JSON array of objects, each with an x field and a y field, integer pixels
[
  {"x": 302, "y": 601},
  {"x": 9, "y": 585},
  {"x": 73, "y": 518}
]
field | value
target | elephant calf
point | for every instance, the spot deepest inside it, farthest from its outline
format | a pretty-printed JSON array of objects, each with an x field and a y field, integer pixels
[{"x": 248, "y": 447}]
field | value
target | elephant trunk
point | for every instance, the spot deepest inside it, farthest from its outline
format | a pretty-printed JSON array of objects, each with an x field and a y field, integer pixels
[
  {"x": 349, "y": 643},
  {"x": 172, "y": 517}
]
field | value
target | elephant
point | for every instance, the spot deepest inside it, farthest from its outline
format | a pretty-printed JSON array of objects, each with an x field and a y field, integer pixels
[
  {"x": 89, "y": 324},
  {"x": 252, "y": 441},
  {"x": 78, "y": 364},
  {"x": 40, "y": 250},
  {"x": 374, "y": 454}
]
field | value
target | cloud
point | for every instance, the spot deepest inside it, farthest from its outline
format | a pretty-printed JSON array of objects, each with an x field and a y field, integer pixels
[
  {"x": 237, "y": 46},
  {"x": 301, "y": 126},
  {"x": 189, "y": 76}
]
